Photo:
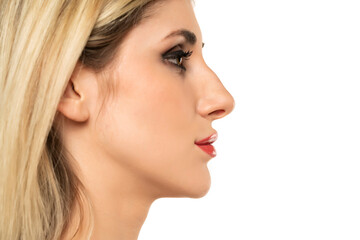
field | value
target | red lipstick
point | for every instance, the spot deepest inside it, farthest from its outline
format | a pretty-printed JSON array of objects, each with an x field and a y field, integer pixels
[{"x": 205, "y": 144}]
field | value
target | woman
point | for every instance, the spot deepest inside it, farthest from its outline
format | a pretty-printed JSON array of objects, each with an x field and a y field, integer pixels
[{"x": 103, "y": 108}]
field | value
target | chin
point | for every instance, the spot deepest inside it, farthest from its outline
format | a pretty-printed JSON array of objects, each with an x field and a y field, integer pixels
[
  {"x": 196, "y": 189},
  {"x": 200, "y": 191},
  {"x": 194, "y": 185}
]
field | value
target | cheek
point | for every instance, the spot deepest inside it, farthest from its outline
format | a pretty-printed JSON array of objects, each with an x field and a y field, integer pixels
[
  {"x": 157, "y": 101},
  {"x": 150, "y": 124}
]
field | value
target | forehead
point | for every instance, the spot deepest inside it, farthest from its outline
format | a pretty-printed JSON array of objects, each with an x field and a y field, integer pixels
[{"x": 164, "y": 17}]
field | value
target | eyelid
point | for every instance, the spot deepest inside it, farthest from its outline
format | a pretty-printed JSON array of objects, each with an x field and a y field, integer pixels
[
  {"x": 171, "y": 55},
  {"x": 168, "y": 51},
  {"x": 178, "y": 53}
]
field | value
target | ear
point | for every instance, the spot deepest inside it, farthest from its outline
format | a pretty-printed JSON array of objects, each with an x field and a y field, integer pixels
[{"x": 74, "y": 102}]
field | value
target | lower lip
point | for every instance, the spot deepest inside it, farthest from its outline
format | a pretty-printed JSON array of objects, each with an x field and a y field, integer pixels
[{"x": 209, "y": 149}]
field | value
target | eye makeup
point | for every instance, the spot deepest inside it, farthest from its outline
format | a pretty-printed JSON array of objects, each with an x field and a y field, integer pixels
[{"x": 177, "y": 57}]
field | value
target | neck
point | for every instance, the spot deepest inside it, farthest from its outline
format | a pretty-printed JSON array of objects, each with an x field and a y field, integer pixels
[
  {"x": 120, "y": 195},
  {"x": 120, "y": 220},
  {"x": 118, "y": 210},
  {"x": 113, "y": 218}
]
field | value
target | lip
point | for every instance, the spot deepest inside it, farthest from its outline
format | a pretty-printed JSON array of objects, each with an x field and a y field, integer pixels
[
  {"x": 208, "y": 140},
  {"x": 205, "y": 144}
]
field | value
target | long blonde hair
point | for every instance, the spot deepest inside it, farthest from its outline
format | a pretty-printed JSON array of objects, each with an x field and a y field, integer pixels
[{"x": 40, "y": 44}]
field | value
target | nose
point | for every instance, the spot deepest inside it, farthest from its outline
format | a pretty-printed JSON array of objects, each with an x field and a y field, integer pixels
[{"x": 215, "y": 101}]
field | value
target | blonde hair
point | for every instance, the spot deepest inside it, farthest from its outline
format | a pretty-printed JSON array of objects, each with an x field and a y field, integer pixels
[{"x": 40, "y": 44}]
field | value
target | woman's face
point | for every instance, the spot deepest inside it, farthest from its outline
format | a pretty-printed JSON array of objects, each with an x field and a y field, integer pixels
[{"x": 163, "y": 103}]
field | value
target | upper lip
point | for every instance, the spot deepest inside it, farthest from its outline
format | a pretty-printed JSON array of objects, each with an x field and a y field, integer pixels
[{"x": 208, "y": 140}]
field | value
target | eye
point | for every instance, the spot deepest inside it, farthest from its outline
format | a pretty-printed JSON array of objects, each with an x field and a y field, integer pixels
[{"x": 177, "y": 58}]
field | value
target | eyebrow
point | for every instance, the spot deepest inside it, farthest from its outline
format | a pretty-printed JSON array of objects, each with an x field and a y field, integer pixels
[{"x": 189, "y": 36}]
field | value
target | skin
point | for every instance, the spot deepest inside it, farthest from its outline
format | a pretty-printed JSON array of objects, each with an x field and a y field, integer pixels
[{"x": 140, "y": 146}]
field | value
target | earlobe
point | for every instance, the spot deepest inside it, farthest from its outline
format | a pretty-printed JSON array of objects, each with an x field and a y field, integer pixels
[
  {"x": 72, "y": 104},
  {"x": 73, "y": 109}
]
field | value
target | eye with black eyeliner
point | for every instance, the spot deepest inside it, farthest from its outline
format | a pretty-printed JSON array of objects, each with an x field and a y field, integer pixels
[{"x": 177, "y": 57}]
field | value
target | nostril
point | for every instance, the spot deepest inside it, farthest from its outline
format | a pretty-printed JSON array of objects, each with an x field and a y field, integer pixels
[{"x": 217, "y": 113}]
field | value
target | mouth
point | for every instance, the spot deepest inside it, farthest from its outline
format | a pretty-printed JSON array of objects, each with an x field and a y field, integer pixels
[{"x": 205, "y": 144}]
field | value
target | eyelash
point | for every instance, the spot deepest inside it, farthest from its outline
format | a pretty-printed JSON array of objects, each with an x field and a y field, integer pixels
[{"x": 177, "y": 55}]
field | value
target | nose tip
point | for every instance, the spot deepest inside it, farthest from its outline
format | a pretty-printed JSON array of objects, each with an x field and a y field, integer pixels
[
  {"x": 217, "y": 106},
  {"x": 214, "y": 101},
  {"x": 224, "y": 107}
]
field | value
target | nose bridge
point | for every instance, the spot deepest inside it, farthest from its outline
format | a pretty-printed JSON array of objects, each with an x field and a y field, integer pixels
[{"x": 215, "y": 101}]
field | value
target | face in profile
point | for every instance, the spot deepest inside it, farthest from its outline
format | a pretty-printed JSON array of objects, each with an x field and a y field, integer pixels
[{"x": 165, "y": 99}]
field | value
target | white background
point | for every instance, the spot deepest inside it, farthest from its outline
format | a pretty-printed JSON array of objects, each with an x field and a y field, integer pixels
[{"x": 288, "y": 163}]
